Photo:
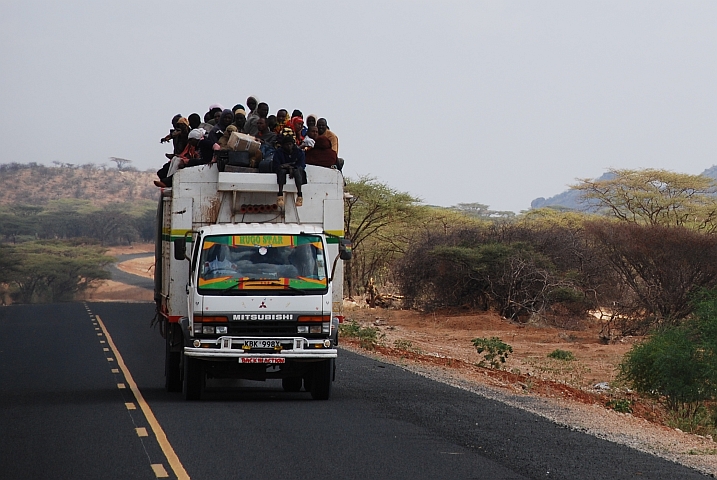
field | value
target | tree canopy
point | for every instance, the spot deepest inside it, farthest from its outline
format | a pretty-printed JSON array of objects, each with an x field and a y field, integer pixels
[{"x": 655, "y": 197}]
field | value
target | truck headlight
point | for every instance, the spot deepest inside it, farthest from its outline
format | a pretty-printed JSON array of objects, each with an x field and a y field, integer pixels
[
  {"x": 302, "y": 329},
  {"x": 208, "y": 329},
  {"x": 221, "y": 330}
]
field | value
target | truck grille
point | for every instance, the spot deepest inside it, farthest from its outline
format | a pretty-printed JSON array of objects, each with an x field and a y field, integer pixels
[{"x": 262, "y": 328}]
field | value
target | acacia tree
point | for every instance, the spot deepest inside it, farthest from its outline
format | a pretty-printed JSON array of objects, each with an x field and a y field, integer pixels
[
  {"x": 53, "y": 271},
  {"x": 374, "y": 213},
  {"x": 655, "y": 197}
]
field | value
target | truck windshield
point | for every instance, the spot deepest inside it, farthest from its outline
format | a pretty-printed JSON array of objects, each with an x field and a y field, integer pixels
[{"x": 232, "y": 264}]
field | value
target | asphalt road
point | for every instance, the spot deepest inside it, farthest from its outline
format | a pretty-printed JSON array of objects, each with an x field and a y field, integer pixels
[
  {"x": 64, "y": 414},
  {"x": 130, "y": 278}
]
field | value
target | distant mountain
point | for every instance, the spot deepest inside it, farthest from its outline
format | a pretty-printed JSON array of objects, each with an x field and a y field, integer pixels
[{"x": 572, "y": 199}]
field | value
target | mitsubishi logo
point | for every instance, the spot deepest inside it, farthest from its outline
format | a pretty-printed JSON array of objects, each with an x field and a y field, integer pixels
[{"x": 263, "y": 305}]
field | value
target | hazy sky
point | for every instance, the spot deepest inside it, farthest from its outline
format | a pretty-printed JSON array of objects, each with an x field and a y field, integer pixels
[{"x": 490, "y": 102}]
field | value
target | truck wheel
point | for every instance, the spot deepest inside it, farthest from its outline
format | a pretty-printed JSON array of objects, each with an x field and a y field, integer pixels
[
  {"x": 291, "y": 384},
  {"x": 321, "y": 381},
  {"x": 172, "y": 371},
  {"x": 193, "y": 379}
]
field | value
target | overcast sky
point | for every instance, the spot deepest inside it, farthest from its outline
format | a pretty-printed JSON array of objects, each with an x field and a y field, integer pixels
[{"x": 453, "y": 102}]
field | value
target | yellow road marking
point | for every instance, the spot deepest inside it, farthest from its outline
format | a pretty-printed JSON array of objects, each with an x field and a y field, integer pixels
[
  {"x": 159, "y": 470},
  {"x": 121, "y": 386},
  {"x": 142, "y": 432},
  {"x": 99, "y": 334},
  {"x": 105, "y": 349},
  {"x": 110, "y": 359},
  {"x": 130, "y": 406},
  {"x": 115, "y": 370},
  {"x": 102, "y": 341},
  {"x": 159, "y": 434}
]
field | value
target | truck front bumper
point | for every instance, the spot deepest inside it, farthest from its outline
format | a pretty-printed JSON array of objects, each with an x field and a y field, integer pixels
[{"x": 227, "y": 347}]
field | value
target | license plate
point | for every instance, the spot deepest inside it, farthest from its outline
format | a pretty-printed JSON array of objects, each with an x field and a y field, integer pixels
[
  {"x": 262, "y": 360},
  {"x": 262, "y": 343}
]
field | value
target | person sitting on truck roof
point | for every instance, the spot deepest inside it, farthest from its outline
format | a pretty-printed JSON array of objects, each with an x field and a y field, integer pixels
[
  {"x": 252, "y": 103},
  {"x": 262, "y": 110},
  {"x": 324, "y": 130},
  {"x": 313, "y": 132},
  {"x": 239, "y": 119},
  {"x": 281, "y": 120},
  {"x": 226, "y": 119},
  {"x": 310, "y": 121},
  {"x": 169, "y": 136},
  {"x": 297, "y": 125},
  {"x": 178, "y": 135},
  {"x": 271, "y": 122},
  {"x": 194, "y": 121},
  {"x": 198, "y": 151},
  {"x": 322, "y": 154},
  {"x": 264, "y": 135},
  {"x": 289, "y": 159}
]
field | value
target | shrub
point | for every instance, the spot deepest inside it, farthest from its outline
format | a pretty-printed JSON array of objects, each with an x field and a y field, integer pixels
[
  {"x": 402, "y": 344},
  {"x": 620, "y": 405},
  {"x": 368, "y": 337},
  {"x": 678, "y": 364},
  {"x": 565, "y": 355},
  {"x": 496, "y": 351}
]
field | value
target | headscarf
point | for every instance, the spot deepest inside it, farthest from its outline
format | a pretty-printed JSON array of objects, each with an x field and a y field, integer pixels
[
  {"x": 197, "y": 133},
  {"x": 238, "y": 111},
  {"x": 184, "y": 121},
  {"x": 287, "y": 132},
  {"x": 294, "y": 124},
  {"x": 215, "y": 105}
]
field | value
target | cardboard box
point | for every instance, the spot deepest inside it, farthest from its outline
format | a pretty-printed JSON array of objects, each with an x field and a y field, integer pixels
[{"x": 241, "y": 142}]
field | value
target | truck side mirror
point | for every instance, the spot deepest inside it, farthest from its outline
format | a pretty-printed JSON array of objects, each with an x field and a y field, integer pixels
[
  {"x": 180, "y": 248},
  {"x": 346, "y": 249}
]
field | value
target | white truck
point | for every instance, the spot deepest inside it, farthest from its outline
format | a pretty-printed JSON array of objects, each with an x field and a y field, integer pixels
[{"x": 245, "y": 289}]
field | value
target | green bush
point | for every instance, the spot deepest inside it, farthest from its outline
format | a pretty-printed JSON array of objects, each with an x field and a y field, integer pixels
[
  {"x": 496, "y": 351},
  {"x": 620, "y": 405},
  {"x": 368, "y": 337},
  {"x": 678, "y": 364},
  {"x": 565, "y": 355}
]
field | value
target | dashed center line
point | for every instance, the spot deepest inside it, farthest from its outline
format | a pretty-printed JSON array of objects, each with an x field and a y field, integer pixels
[
  {"x": 159, "y": 470},
  {"x": 142, "y": 432},
  {"x": 159, "y": 434}
]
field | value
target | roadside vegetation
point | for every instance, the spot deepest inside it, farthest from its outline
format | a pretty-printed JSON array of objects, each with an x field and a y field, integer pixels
[
  {"x": 641, "y": 257},
  {"x": 57, "y": 222}
]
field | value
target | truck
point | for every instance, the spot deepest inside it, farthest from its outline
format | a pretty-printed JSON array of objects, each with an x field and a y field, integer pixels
[{"x": 247, "y": 289}]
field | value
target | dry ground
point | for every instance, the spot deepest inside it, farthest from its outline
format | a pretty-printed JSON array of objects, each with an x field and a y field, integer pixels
[{"x": 439, "y": 346}]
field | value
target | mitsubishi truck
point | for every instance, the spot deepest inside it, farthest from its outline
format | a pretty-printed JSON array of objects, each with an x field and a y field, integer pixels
[{"x": 247, "y": 289}]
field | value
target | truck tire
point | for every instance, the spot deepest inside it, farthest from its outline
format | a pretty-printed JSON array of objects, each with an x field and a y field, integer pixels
[
  {"x": 291, "y": 384},
  {"x": 172, "y": 370},
  {"x": 193, "y": 378},
  {"x": 321, "y": 382}
]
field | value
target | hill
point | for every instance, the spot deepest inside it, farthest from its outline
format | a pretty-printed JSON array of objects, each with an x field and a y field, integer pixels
[
  {"x": 571, "y": 199},
  {"x": 35, "y": 184}
]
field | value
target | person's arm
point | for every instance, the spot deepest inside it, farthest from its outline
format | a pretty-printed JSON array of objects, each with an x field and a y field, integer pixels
[{"x": 300, "y": 158}]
